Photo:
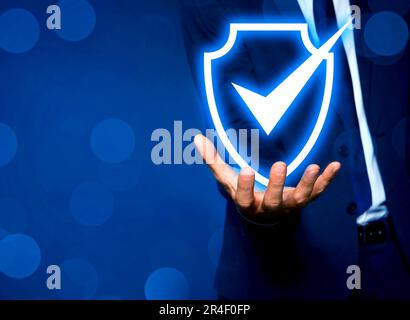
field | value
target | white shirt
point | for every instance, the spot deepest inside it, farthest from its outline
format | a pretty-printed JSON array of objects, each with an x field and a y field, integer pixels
[{"x": 343, "y": 11}]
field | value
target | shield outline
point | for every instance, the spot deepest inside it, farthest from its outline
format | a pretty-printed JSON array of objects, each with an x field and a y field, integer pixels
[{"x": 209, "y": 90}]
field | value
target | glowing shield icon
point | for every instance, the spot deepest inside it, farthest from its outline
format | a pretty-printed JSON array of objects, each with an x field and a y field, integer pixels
[{"x": 269, "y": 109}]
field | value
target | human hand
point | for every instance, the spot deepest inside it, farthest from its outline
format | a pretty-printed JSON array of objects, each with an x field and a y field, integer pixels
[{"x": 277, "y": 201}]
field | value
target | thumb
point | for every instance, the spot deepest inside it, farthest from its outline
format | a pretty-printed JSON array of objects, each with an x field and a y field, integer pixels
[{"x": 222, "y": 172}]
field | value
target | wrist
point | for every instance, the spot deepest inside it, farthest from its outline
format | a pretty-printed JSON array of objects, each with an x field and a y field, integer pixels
[{"x": 260, "y": 220}]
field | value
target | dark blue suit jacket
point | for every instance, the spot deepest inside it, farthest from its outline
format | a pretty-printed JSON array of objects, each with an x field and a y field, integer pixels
[{"x": 308, "y": 256}]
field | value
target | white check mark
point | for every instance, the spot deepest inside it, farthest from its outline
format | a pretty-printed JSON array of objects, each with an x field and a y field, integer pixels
[{"x": 268, "y": 110}]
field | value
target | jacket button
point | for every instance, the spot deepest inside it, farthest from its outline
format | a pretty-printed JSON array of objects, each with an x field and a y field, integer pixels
[
  {"x": 343, "y": 150},
  {"x": 351, "y": 208}
]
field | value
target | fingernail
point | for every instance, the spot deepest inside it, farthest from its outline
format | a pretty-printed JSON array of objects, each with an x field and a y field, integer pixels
[
  {"x": 312, "y": 170},
  {"x": 247, "y": 171},
  {"x": 279, "y": 168},
  {"x": 198, "y": 139},
  {"x": 336, "y": 167}
]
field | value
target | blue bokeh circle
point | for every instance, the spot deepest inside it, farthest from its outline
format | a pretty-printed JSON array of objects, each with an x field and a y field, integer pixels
[
  {"x": 112, "y": 140},
  {"x": 19, "y": 31},
  {"x": 20, "y": 256},
  {"x": 8, "y": 144},
  {"x": 167, "y": 284},
  {"x": 77, "y": 19},
  {"x": 386, "y": 33},
  {"x": 80, "y": 279},
  {"x": 91, "y": 203}
]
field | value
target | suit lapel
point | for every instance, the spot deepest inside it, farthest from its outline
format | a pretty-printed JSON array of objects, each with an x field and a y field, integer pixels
[
  {"x": 291, "y": 11},
  {"x": 366, "y": 72}
]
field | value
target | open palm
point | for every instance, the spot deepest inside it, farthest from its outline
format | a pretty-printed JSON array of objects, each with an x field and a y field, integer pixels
[{"x": 277, "y": 201}]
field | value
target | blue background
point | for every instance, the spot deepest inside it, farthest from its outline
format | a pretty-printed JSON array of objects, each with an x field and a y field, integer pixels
[
  {"x": 78, "y": 188},
  {"x": 82, "y": 104}
]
